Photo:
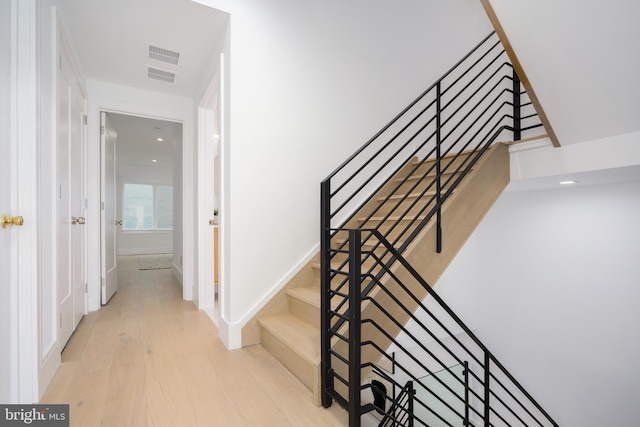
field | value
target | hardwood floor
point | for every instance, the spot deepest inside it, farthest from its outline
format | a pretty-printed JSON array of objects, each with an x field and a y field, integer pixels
[{"x": 149, "y": 358}]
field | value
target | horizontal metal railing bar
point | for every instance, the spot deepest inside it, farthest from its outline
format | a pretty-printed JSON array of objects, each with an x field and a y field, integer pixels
[
  {"x": 426, "y": 329},
  {"x": 342, "y": 359},
  {"x": 411, "y": 375},
  {"x": 421, "y": 324},
  {"x": 339, "y": 336},
  {"x": 472, "y": 66},
  {"x": 429, "y": 215},
  {"x": 461, "y": 324},
  {"x": 494, "y": 103},
  {"x": 480, "y": 74},
  {"x": 532, "y": 127},
  {"x": 361, "y": 168},
  {"x": 418, "y": 362},
  {"x": 341, "y": 400},
  {"x": 478, "y": 103},
  {"x": 420, "y": 97},
  {"x": 444, "y": 198},
  {"x": 515, "y": 399},
  {"x": 399, "y": 150}
]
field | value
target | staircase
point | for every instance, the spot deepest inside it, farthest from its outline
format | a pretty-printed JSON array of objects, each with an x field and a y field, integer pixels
[
  {"x": 293, "y": 337},
  {"x": 394, "y": 215}
]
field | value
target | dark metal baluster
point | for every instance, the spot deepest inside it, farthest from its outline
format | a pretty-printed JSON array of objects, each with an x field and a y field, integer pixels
[
  {"x": 325, "y": 298},
  {"x": 355, "y": 277},
  {"x": 466, "y": 394},
  {"x": 438, "y": 168},
  {"x": 411, "y": 392},
  {"x": 487, "y": 389},
  {"x": 517, "y": 108}
]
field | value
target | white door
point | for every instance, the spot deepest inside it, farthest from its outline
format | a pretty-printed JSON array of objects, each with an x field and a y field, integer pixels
[
  {"x": 108, "y": 139},
  {"x": 63, "y": 203},
  {"x": 70, "y": 200},
  {"x": 77, "y": 202},
  {"x": 6, "y": 235}
]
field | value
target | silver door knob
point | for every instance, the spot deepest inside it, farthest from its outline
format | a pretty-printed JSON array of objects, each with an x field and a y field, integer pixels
[{"x": 77, "y": 220}]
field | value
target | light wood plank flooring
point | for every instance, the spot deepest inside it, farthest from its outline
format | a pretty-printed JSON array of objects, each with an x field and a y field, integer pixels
[{"x": 149, "y": 358}]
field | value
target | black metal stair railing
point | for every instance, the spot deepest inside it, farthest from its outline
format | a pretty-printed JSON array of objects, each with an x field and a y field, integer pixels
[
  {"x": 435, "y": 142},
  {"x": 485, "y": 394}
]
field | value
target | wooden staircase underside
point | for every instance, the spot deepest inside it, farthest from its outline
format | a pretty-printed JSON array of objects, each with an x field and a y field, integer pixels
[{"x": 289, "y": 325}]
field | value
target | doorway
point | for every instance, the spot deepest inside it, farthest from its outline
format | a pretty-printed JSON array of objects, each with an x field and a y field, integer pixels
[
  {"x": 142, "y": 194},
  {"x": 211, "y": 206}
]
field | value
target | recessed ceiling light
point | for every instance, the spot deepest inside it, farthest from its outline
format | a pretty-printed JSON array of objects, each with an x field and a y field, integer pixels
[
  {"x": 154, "y": 161},
  {"x": 160, "y": 139},
  {"x": 155, "y": 128},
  {"x": 568, "y": 182}
]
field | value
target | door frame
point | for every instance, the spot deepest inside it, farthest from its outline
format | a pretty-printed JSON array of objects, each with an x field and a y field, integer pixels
[
  {"x": 209, "y": 106},
  {"x": 130, "y": 101}
]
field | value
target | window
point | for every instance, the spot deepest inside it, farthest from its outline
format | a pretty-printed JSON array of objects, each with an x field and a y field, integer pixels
[{"x": 147, "y": 207}]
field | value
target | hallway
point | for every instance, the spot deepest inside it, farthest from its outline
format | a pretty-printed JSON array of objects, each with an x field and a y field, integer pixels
[{"x": 149, "y": 358}]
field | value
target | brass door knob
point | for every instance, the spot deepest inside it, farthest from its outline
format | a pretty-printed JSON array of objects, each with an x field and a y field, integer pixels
[{"x": 10, "y": 221}]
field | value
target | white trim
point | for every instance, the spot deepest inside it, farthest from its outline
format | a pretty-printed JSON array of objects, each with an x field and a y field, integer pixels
[
  {"x": 145, "y": 251},
  {"x": 235, "y": 329},
  {"x": 230, "y": 334},
  {"x": 206, "y": 187},
  {"x": 530, "y": 145},
  {"x": 177, "y": 273}
]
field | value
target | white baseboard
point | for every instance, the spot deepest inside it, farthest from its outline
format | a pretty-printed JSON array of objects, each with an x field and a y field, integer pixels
[
  {"x": 177, "y": 272},
  {"x": 144, "y": 251},
  {"x": 48, "y": 367},
  {"x": 230, "y": 334},
  {"x": 235, "y": 330}
]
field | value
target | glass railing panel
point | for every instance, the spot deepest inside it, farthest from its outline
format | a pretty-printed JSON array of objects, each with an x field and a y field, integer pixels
[{"x": 454, "y": 396}]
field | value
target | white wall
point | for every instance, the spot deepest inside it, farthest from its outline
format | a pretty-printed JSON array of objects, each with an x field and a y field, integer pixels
[
  {"x": 309, "y": 83},
  {"x": 550, "y": 280}
]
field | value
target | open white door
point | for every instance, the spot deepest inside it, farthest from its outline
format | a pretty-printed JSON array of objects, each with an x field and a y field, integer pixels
[{"x": 108, "y": 139}]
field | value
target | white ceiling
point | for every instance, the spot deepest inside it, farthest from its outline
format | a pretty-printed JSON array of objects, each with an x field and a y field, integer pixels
[
  {"x": 110, "y": 39},
  {"x": 138, "y": 140},
  {"x": 581, "y": 58}
]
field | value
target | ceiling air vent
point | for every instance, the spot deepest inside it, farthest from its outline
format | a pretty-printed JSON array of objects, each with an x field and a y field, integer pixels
[
  {"x": 163, "y": 55},
  {"x": 163, "y": 76}
]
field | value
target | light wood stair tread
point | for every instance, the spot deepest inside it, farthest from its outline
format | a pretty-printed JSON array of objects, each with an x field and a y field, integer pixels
[
  {"x": 464, "y": 153},
  {"x": 303, "y": 338},
  {"x": 429, "y": 175},
  {"x": 411, "y": 195},
  {"x": 308, "y": 294}
]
